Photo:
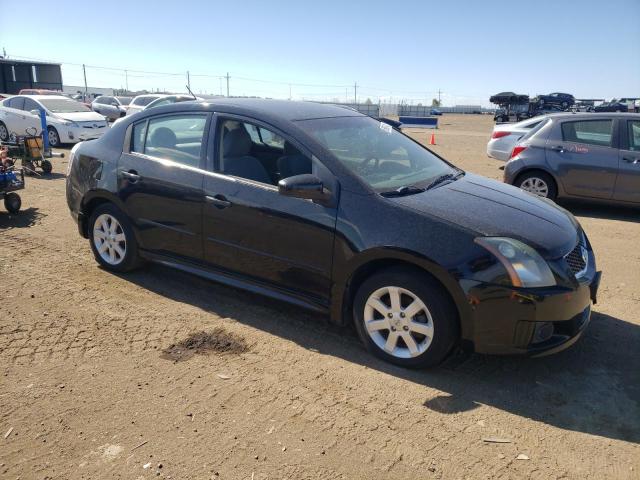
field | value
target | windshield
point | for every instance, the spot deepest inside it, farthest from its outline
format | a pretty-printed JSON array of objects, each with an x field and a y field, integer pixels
[
  {"x": 381, "y": 156},
  {"x": 59, "y": 105},
  {"x": 124, "y": 100}
]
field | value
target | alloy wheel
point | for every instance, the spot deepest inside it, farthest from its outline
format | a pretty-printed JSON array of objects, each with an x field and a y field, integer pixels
[
  {"x": 535, "y": 185},
  {"x": 398, "y": 322},
  {"x": 109, "y": 239},
  {"x": 54, "y": 140},
  {"x": 4, "y": 133}
]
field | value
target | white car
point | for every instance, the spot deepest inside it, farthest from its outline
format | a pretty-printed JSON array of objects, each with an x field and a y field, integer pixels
[
  {"x": 68, "y": 121},
  {"x": 506, "y": 135},
  {"x": 138, "y": 103}
]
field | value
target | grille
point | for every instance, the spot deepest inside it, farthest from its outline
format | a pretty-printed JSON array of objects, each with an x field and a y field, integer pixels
[{"x": 574, "y": 259}]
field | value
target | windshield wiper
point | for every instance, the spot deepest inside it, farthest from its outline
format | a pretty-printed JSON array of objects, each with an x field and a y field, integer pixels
[
  {"x": 444, "y": 178},
  {"x": 403, "y": 190}
]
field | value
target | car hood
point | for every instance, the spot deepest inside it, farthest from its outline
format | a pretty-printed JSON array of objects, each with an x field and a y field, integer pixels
[
  {"x": 81, "y": 117},
  {"x": 491, "y": 208}
]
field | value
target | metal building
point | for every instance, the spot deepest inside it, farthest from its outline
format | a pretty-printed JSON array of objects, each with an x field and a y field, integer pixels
[{"x": 17, "y": 74}]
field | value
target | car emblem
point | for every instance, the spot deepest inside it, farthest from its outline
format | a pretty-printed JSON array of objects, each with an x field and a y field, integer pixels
[
  {"x": 95, "y": 125},
  {"x": 585, "y": 255}
]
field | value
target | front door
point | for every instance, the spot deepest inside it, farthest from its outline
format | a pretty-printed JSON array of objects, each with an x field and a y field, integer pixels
[
  {"x": 585, "y": 156},
  {"x": 628, "y": 183},
  {"x": 160, "y": 180},
  {"x": 250, "y": 229}
]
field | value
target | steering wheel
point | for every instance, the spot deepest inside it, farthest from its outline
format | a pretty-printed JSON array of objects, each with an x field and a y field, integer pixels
[{"x": 364, "y": 164}]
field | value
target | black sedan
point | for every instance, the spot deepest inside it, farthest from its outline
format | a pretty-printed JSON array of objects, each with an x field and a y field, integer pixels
[{"x": 326, "y": 208}]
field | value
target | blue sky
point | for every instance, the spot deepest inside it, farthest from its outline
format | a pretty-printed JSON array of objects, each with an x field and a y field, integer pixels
[{"x": 393, "y": 50}]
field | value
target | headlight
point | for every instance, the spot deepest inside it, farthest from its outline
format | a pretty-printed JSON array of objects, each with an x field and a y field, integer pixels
[
  {"x": 69, "y": 123},
  {"x": 525, "y": 266}
]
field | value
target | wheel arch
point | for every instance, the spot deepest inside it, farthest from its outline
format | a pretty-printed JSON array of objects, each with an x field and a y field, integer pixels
[
  {"x": 370, "y": 262},
  {"x": 92, "y": 200},
  {"x": 526, "y": 170}
]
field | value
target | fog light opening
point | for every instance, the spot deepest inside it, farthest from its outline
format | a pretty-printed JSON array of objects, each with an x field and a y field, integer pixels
[{"x": 542, "y": 332}]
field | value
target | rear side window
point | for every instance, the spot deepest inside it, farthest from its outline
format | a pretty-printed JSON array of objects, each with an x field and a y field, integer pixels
[
  {"x": 634, "y": 135},
  {"x": 592, "y": 132},
  {"x": 17, "y": 102},
  {"x": 176, "y": 137}
]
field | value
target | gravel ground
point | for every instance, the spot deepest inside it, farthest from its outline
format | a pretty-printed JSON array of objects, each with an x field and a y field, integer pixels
[{"x": 160, "y": 374}]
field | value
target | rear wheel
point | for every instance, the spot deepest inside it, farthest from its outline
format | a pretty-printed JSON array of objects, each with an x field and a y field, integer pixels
[
  {"x": 404, "y": 317},
  {"x": 538, "y": 183},
  {"x": 4, "y": 132},
  {"x": 12, "y": 202},
  {"x": 112, "y": 239}
]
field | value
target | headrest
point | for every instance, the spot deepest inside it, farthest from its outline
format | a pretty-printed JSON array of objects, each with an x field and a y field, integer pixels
[
  {"x": 236, "y": 143},
  {"x": 163, "y": 137}
]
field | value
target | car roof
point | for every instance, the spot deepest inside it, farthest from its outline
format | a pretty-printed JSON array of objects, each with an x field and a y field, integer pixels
[
  {"x": 46, "y": 97},
  {"x": 286, "y": 110},
  {"x": 592, "y": 115}
]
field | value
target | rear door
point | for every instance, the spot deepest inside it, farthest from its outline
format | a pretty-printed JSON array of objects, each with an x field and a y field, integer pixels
[
  {"x": 160, "y": 179},
  {"x": 584, "y": 155},
  {"x": 628, "y": 183}
]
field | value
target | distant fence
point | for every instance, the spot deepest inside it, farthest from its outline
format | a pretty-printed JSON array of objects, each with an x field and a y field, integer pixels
[
  {"x": 371, "y": 109},
  {"x": 422, "y": 111}
]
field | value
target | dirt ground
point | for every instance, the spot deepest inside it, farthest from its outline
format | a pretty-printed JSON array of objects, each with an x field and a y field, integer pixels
[{"x": 160, "y": 374}]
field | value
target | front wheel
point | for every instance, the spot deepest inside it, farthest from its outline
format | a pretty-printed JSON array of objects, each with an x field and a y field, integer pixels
[
  {"x": 112, "y": 239},
  {"x": 54, "y": 138},
  {"x": 538, "y": 183},
  {"x": 404, "y": 317},
  {"x": 12, "y": 202}
]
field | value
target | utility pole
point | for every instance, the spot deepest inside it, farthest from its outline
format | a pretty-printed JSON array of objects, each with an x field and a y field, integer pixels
[
  {"x": 188, "y": 80},
  {"x": 289, "y": 91},
  {"x": 86, "y": 90},
  {"x": 439, "y": 100},
  {"x": 355, "y": 93},
  {"x": 126, "y": 80},
  {"x": 227, "y": 84}
]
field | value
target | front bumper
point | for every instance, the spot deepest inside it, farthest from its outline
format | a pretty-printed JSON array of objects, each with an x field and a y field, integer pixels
[
  {"x": 508, "y": 321},
  {"x": 79, "y": 134}
]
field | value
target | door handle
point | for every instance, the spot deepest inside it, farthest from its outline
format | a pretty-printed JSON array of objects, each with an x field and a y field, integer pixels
[
  {"x": 219, "y": 201},
  {"x": 132, "y": 176},
  {"x": 558, "y": 148},
  {"x": 634, "y": 160}
]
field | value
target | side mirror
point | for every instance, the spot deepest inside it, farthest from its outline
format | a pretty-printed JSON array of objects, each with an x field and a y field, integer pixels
[{"x": 302, "y": 186}]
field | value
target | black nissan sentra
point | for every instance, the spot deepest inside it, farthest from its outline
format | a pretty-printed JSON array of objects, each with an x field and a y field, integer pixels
[{"x": 323, "y": 207}]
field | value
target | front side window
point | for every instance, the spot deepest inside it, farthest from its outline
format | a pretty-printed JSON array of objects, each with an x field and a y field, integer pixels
[
  {"x": 593, "y": 132},
  {"x": 379, "y": 155},
  {"x": 634, "y": 135},
  {"x": 259, "y": 154},
  {"x": 177, "y": 138}
]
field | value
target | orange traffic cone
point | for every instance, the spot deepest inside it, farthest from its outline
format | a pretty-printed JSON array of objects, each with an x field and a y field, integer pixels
[{"x": 433, "y": 139}]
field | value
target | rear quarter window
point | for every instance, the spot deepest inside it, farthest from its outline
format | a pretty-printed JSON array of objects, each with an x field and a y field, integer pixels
[{"x": 592, "y": 132}]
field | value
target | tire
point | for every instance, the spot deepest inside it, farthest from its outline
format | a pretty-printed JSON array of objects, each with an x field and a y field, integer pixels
[
  {"x": 54, "y": 138},
  {"x": 538, "y": 183},
  {"x": 47, "y": 167},
  {"x": 4, "y": 132},
  {"x": 120, "y": 252},
  {"x": 433, "y": 328},
  {"x": 12, "y": 202}
]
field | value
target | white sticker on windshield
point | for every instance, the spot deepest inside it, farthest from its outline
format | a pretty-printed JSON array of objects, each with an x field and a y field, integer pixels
[{"x": 385, "y": 127}]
